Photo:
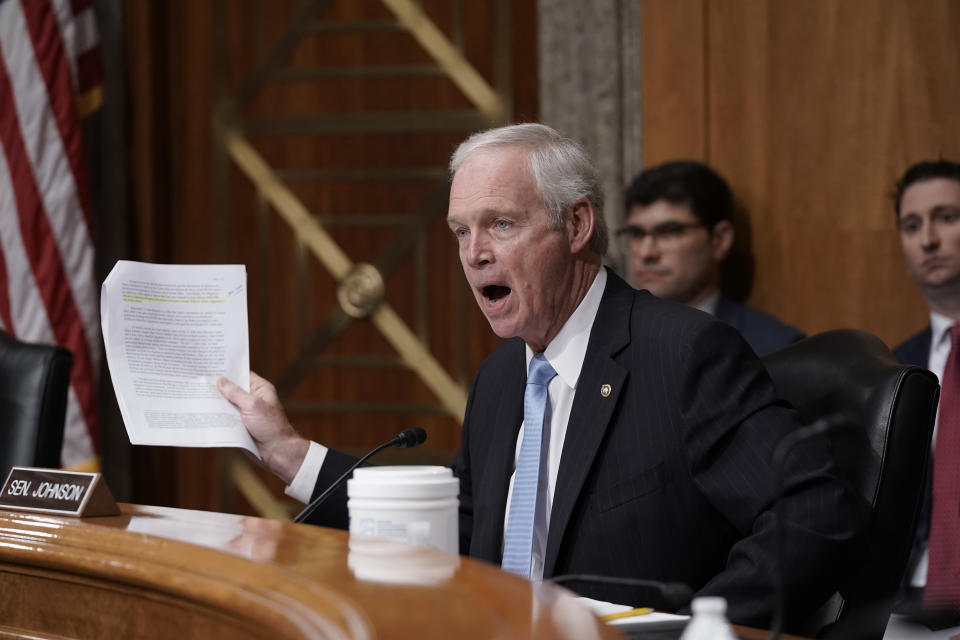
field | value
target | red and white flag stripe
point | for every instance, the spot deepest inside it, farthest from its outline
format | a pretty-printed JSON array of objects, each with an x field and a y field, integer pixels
[{"x": 50, "y": 77}]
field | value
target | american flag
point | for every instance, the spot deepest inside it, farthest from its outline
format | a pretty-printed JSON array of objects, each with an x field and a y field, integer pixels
[{"x": 50, "y": 78}]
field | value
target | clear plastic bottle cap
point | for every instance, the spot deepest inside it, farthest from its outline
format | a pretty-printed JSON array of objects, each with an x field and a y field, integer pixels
[{"x": 709, "y": 605}]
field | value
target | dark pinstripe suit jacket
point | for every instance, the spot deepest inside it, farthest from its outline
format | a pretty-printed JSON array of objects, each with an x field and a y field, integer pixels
[
  {"x": 669, "y": 477},
  {"x": 915, "y": 349}
]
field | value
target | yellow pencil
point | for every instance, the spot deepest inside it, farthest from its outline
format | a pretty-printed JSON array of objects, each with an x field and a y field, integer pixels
[{"x": 642, "y": 611}]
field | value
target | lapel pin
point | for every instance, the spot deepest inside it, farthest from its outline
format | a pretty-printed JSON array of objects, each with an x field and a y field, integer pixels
[{"x": 605, "y": 390}]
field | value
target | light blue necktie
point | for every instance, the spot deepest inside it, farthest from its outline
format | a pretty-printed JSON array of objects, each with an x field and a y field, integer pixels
[{"x": 518, "y": 541}]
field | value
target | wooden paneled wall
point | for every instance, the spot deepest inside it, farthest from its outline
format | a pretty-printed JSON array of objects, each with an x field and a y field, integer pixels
[
  {"x": 185, "y": 56},
  {"x": 811, "y": 110}
]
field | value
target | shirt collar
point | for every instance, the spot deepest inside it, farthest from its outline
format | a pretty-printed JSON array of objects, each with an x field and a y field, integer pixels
[
  {"x": 566, "y": 351},
  {"x": 939, "y": 328},
  {"x": 709, "y": 304}
]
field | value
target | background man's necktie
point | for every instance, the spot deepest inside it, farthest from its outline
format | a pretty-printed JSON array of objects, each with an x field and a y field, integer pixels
[
  {"x": 943, "y": 575},
  {"x": 518, "y": 541}
]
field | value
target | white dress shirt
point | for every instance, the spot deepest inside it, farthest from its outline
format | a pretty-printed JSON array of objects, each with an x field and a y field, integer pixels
[
  {"x": 709, "y": 304},
  {"x": 939, "y": 343},
  {"x": 565, "y": 353}
]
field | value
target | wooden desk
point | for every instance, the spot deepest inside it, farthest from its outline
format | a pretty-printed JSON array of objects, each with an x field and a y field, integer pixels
[{"x": 170, "y": 573}]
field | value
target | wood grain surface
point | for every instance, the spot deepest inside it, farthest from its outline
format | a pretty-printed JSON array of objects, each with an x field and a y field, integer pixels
[{"x": 156, "y": 572}]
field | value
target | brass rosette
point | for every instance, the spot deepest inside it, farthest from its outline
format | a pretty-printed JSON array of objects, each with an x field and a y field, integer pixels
[{"x": 361, "y": 291}]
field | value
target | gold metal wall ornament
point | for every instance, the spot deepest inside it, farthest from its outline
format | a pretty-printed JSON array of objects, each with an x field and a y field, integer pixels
[
  {"x": 411, "y": 350},
  {"x": 337, "y": 319},
  {"x": 361, "y": 292}
]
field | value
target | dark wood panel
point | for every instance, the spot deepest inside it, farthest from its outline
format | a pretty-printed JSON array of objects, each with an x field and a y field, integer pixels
[{"x": 175, "y": 54}]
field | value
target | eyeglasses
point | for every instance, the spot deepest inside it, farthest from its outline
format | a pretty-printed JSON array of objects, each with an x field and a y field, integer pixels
[{"x": 664, "y": 234}]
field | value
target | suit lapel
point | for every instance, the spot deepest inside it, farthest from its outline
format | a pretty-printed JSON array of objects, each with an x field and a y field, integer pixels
[
  {"x": 592, "y": 411},
  {"x": 491, "y": 496}
]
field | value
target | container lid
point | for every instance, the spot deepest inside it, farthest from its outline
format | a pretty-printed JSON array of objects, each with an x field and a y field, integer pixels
[
  {"x": 709, "y": 605},
  {"x": 407, "y": 482}
]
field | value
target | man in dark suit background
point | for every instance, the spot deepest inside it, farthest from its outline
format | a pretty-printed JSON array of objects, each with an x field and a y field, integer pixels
[
  {"x": 679, "y": 231},
  {"x": 929, "y": 224},
  {"x": 927, "y": 206},
  {"x": 660, "y": 421}
]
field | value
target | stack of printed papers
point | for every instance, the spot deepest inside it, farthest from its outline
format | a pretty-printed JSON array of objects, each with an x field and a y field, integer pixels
[{"x": 169, "y": 332}]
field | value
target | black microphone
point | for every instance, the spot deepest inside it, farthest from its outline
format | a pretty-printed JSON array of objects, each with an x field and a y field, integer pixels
[
  {"x": 408, "y": 438},
  {"x": 405, "y": 439},
  {"x": 673, "y": 594},
  {"x": 838, "y": 421}
]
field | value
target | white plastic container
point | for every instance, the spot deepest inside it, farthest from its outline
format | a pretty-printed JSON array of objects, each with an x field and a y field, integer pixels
[
  {"x": 709, "y": 621},
  {"x": 412, "y": 504}
]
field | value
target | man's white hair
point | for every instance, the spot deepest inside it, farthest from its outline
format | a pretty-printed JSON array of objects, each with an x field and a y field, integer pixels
[{"x": 562, "y": 171}]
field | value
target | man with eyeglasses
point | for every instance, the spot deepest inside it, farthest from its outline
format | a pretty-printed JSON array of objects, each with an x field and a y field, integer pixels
[{"x": 678, "y": 233}]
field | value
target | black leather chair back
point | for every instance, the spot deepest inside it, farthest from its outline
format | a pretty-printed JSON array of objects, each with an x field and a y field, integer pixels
[
  {"x": 854, "y": 372},
  {"x": 34, "y": 380}
]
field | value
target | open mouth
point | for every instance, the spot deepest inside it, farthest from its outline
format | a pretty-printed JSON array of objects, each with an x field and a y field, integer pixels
[{"x": 494, "y": 292}]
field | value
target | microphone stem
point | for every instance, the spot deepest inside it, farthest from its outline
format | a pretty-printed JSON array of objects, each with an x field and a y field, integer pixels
[{"x": 310, "y": 508}]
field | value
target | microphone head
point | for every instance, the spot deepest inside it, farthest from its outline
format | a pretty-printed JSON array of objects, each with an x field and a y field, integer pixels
[
  {"x": 411, "y": 437},
  {"x": 677, "y": 594}
]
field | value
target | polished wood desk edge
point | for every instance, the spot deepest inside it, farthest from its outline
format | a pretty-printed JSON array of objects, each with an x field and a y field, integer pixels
[
  {"x": 100, "y": 550},
  {"x": 291, "y": 578}
]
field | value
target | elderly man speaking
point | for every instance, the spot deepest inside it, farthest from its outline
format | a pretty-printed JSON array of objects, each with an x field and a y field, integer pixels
[{"x": 612, "y": 433}]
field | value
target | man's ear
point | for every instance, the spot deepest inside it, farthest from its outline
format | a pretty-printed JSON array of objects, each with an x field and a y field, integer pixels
[
  {"x": 721, "y": 240},
  {"x": 579, "y": 224}
]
